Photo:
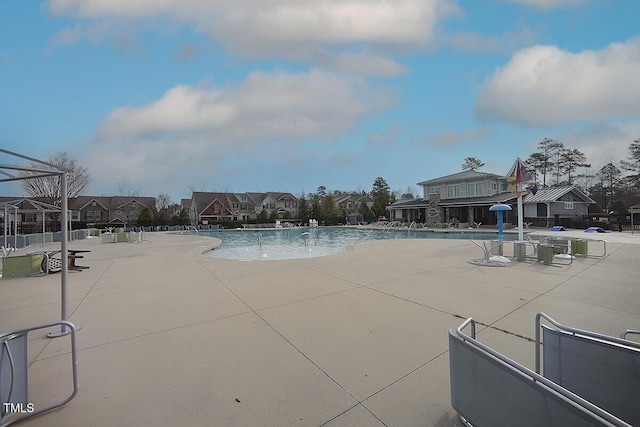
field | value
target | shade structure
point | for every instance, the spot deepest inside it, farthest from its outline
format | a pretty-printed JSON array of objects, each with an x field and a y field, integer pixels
[
  {"x": 46, "y": 169},
  {"x": 500, "y": 207}
]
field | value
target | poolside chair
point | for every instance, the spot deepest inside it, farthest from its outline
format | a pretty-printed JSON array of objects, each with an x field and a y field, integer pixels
[
  {"x": 24, "y": 265},
  {"x": 558, "y": 228},
  {"x": 54, "y": 261},
  {"x": 488, "y": 260}
]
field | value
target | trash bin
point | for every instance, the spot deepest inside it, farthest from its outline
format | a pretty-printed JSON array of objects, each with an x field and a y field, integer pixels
[
  {"x": 579, "y": 247},
  {"x": 520, "y": 250},
  {"x": 560, "y": 245},
  {"x": 496, "y": 247},
  {"x": 545, "y": 253}
]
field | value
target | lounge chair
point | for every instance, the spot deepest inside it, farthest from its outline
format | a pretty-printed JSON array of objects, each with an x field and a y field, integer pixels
[
  {"x": 558, "y": 228},
  {"x": 488, "y": 260},
  {"x": 54, "y": 262},
  {"x": 24, "y": 265}
]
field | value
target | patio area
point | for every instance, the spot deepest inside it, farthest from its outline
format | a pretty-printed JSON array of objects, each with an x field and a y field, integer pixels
[{"x": 171, "y": 337}]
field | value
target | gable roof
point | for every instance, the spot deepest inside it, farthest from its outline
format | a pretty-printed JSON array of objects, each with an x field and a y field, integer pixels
[
  {"x": 468, "y": 175},
  {"x": 459, "y": 202},
  {"x": 553, "y": 194},
  {"x": 147, "y": 202},
  {"x": 81, "y": 202}
]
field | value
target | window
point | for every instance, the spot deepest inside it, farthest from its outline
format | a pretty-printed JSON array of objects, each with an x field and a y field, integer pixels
[
  {"x": 568, "y": 205},
  {"x": 453, "y": 191},
  {"x": 94, "y": 215},
  {"x": 471, "y": 190}
]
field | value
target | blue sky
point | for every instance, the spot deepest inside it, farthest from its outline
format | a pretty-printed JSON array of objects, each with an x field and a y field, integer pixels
[{"x": 289, "y": 95}]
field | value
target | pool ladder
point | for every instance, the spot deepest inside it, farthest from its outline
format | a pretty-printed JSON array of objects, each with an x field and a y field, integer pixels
[{"x": 307, "y": 236}]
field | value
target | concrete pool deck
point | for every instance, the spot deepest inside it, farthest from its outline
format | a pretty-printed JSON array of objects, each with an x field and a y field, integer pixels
[{"x": 169, "y": 337}]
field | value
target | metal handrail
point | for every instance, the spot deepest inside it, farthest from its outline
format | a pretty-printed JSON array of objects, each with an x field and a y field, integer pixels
[
  {"x": 4, "y": 338},
  {"x": 578, "y": 332},
  {"x": 624, "y": 334},
  {"x": 536, "y": 378}
]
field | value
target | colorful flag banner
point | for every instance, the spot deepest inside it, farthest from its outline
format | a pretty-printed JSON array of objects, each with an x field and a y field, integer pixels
[{"x": 518, "y": 174}]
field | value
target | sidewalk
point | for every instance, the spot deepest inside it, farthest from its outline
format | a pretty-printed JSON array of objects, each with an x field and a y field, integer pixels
[{"x": 170, "y": 337}]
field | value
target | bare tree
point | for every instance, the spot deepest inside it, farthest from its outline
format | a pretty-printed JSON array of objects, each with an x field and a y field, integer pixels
[
  {"x": 47, "y": 189},
  {"x": 126, "y": 189},
  {"x": 126, "y": 192},
  {"x": 162, "y": 201},
  {"x": 632, "y": 164}
]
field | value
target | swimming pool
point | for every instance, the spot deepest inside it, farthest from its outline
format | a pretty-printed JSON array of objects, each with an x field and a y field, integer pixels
[{"x": 294, "y": 243}]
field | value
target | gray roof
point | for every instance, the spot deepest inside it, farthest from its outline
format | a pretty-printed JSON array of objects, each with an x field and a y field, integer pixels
[
  {"x": 480, "y": 201},
  {"x": 554, "y": 194},
  {"x": 467, "y": 175},
  {"x": 464, "y": 201}
]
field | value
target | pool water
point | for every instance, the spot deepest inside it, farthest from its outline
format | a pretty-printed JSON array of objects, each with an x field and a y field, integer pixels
[{"x": 248, "y": 245}]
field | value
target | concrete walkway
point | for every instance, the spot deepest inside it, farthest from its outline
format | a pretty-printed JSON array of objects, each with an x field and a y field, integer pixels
[{"x": 172, "y": 338}]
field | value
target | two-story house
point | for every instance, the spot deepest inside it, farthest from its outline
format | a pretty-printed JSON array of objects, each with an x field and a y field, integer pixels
[
  {"x": 464, "y": 198},
  {"x": 353, "y": 203},
  {"x": 100, "y": 211},
  {"x": 207, "y": 207}
]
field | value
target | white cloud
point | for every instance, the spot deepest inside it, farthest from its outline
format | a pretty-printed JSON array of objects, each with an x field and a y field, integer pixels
[
  {"x": 265, "y": 107},
  {"x": 544, "y": 85},
  {"x": 189, "y": 129},
  {"x": 294, "y": 29},
  {"x": 604, "y": 143}
]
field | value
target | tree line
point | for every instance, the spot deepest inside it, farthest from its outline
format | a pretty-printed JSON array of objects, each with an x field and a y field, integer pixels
[
  {"x": 610, "y": 186},
  {"x": 613, "y": 186},
  {"x": 322, "y": 205}
]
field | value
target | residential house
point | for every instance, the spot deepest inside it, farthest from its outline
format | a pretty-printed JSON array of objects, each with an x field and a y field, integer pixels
[
  {"x": 101, "y": 211},
  {"x": 26, "y": 214},
  {"x": 556, "y": 204},
  {"x": 207, "y": 207},
  {"x": 352, "y": 203},
  {"x": 275, "y": 201},
  {"x": 464, "y": 198}
]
